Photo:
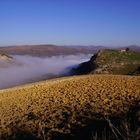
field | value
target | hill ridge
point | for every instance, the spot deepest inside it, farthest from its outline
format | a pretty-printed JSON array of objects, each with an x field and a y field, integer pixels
[{"x": 110, "y": 61}]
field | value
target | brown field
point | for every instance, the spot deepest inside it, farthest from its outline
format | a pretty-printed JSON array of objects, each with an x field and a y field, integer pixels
[{"x": 66, "y": 106}]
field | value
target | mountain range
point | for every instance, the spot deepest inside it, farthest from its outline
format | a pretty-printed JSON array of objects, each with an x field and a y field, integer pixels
[
  {"x": 51, "y": 50},
  {"x": 43, "y": 50}
]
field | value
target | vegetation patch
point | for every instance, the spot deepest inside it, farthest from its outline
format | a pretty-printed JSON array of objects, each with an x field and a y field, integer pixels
[{"x": 107, "y": 61}]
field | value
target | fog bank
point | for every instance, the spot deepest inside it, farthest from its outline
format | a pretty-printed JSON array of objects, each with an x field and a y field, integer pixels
[{"x": 26, "y": 69}]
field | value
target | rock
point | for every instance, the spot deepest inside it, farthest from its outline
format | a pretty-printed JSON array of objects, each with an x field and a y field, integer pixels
[{"x": 108, "y": 61}]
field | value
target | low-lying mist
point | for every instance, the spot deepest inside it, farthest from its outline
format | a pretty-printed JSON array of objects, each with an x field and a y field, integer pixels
[{"x": 25, "y": 69}]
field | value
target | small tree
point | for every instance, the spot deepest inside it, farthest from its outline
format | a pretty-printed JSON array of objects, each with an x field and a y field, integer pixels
[{"x": 127, "y": 49}]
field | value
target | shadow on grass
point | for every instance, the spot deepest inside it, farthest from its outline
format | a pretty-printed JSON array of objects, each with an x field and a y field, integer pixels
[{"x": 124, "y": 128}]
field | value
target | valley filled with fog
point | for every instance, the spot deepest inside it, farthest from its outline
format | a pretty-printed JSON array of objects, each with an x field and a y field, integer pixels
[{"x": 24, "y": 69}]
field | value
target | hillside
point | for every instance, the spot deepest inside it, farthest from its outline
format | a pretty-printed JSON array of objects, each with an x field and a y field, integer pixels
[
  {"x": 4, "y": 57},
  {"x": 109, "y": 61},
  {"x": 51, "y": 50},
  {"x": 43, "y": 50},
  {"x": 82, "y": 107},
  {"x": 6, "y": 60}
]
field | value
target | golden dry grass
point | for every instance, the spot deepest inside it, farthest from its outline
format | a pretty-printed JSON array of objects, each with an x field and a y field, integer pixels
[{"x": 61, "y": 105}]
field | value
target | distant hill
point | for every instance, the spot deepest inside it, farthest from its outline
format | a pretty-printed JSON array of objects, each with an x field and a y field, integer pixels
[
  {"x": 44, "y": 50},
  {"x": 135, "y": 48},
  {"x": 6, "y": 60},
  {"x": 108, "y": 61},
  {"x": 4, "y": 57},
  {"x": 51, "y": 50}
]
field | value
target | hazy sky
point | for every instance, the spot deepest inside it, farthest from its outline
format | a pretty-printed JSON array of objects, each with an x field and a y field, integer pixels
[{"x": 67, "y": 22}]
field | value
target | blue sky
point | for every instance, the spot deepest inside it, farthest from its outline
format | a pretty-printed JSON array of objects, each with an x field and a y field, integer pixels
[{"x": 70, "y": 22}]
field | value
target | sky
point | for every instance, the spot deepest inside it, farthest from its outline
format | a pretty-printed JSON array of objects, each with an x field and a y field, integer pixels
[{"x": 70, "y": 22}]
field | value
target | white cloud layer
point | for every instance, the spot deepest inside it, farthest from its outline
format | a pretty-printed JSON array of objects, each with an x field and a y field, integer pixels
[{"x": 30, "y": 68}]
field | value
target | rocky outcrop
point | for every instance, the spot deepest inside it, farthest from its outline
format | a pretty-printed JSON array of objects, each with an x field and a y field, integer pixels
[
  {"x": 4, "y": 57},
  {"x": 6, "y": 60},
  {"x": 111, "y": 62},
  {"x": 86, "y": 67}
]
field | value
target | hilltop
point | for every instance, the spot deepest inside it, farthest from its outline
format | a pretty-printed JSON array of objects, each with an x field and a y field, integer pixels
[
  {"x": 43, "y": 50},
  {"x": 6, "y": 60},
  {"x": 4, "y": 57},
  {"x": 79, "y": 107},
  {"x": 108, "y": 61}
]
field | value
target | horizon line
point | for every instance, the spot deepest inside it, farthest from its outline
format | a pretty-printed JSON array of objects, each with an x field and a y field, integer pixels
[{"x": 64, "y": 45}]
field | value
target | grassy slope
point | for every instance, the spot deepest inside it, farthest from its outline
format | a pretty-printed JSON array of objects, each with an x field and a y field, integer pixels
[
  {"x": 60, "y": 106},
  {"x": 108, "y": 61},
  {"x": 117, "y": 62}
]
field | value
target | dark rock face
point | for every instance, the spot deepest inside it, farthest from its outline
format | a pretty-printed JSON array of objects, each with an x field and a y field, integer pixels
[
  {"x": 136, "y": 71},
  {"x": 86, "y": 67}
]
